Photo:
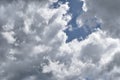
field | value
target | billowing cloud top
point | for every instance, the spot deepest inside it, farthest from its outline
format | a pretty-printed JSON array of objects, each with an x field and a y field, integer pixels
[{"x": 33, "y": 45}]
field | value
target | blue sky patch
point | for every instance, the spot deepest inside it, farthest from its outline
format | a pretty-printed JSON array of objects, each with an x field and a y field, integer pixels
[{"x": 79, "y": 33}]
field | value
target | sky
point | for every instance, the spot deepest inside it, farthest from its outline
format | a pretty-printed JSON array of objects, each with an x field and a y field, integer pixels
[
  {"x": 75, "y": 9},
  {"x": 59, "y": 40}
]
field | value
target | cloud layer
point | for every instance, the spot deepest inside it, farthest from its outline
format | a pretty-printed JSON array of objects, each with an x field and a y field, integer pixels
[{"x": 32, "y": 45}]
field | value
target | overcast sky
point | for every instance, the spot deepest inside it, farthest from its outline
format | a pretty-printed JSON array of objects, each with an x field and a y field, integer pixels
[{"x": 59, "y": 39}]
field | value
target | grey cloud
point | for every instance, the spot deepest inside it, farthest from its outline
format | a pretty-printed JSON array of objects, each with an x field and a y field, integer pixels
[
  {"x": 108, "y": 11},
  {"x": 36, "y": 53},
  {"x": 17, "y": 60},
  {"x": 92, "y": 52}
]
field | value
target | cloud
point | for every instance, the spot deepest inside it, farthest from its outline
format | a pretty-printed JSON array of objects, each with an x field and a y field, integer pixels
[
  {"x": 33, "y": 46},
  {"x": 30, "y": 32},
  {"x": 107, "y": 11},
  {"x": 93, "y": 58}
]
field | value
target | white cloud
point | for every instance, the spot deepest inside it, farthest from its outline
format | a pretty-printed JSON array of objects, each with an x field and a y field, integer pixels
[
  {"x": 9, "y": 36},
  {"x": 88, "y": 59},
  {"x": 38, "y": 49},
  {"x": 37, "y": 35}
]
